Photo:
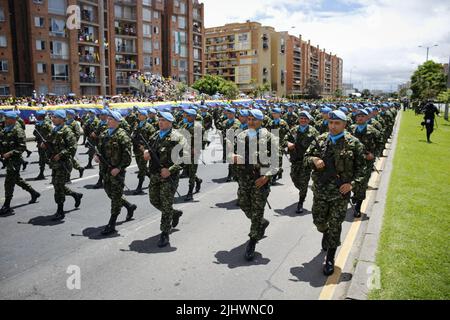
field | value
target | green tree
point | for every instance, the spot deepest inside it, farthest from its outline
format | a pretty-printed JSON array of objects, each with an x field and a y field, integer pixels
[
  {"x": 338, "y": 93},
  {"x": 229, "y": 89},
  {"x": 365, "y": 93},
  {"x": 428, "y": 81},
  {"x": 209, "y": 84},
  {"x": 313, "y": 88}
]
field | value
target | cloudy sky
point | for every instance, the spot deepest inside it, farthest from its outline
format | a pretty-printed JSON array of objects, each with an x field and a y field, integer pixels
[{"x": 378, "y": 39}]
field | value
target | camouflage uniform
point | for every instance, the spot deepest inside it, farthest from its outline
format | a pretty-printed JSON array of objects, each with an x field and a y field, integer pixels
[
  {"x": 321, "y": 126},
  {"x": 76, "y": 129},
  {"x": 89, "y": 126},
  {"x": 154, "y": 122},
  {"x": 224, "y": 127},
  {"x": 300, "y": 174},
  {"x": 115, "y": 150},
  {"x": 62, "y": 142},
  {"x": 329, "y": 206},
  {"x": 12, "y": 139},
  {"x": 291, "y": 119},
  {"x": 147, "y": 131},
  {"x": 162, "y": 191},
  {"x": 45, "y": 129},
  {"x": 251, "y": 199},
  {"x": 283, "y": 128}
]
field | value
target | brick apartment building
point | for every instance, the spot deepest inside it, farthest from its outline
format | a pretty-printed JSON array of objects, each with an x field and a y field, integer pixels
[{"x": 114, "y": 39}]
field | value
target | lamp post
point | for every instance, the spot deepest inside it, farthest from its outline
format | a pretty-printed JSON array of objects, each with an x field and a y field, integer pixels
[{"x": 428, "y": 49}]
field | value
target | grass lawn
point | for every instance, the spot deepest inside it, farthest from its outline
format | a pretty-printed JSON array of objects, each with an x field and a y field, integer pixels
[{"x": 413, "y": 253}]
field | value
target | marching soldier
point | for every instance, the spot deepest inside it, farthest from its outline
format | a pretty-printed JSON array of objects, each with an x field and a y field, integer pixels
[
  {"x": 153, "y": 119},
  {"x": 231, "y": 123},
  {"x": 114, "y": 156},
  {"x": 298, "y": 141},
  {"x": 164, "y": 173},
  {"x": 74, "y": 125},
  {"x": 60, "y": 148},
  {"x": 283, "y": 128},
  {"x": 89, "y": 127},
  {"x": 12, "y": 145},
  {"x": 290, "y": 117},
  {"x": 101, "y": 127},
  {"x": 322, "y": 124},
  {"x": 372, "y": 141},
  {"x": 255, "y": 168},
  {"x": 337, "y": 159},
  {"x": 195, "y": 130},
  {"x": 42, "y": 127},
  {"x": 143, "y": 130}
]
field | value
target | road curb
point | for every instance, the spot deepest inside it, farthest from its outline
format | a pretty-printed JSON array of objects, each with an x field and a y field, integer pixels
[{"x": 366, "y": 272}]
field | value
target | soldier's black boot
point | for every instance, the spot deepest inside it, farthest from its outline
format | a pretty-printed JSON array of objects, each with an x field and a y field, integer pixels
[
  {"x": 89, "y": 166},
  {"x": 198, "y": 185},
  {"x": 250, "y": 250},
  {"x": 264, "y": 226},
  {"x": 34, "y": 196},
  {"x": 28, "y": 153},
  {"x": 111, "y": 226},
  {"x": 357, "y": 211},
  {"x": 163, "y": 240},
  {"x": 40, "y": 176},
  {"x": 189, "y": 196},
  {"x": 6, "y": 209},
  {"x": 176, "y": 217},
  {"x": 59, "y": 215},
  {"x": 130, "y": 210},
  {"x": 77, "y": 197},
  {"x": 99, "y": 183},
  {"x": 229, "y": 176},
  {"x": 328, "y": 268},
  {"x": 139, "y": 187},
  {"x": 300, "y": 206},
  {"x": 81, "y": 171},
  {"x": 280, "y": 174},
  {"x": 24, "y": 165}
]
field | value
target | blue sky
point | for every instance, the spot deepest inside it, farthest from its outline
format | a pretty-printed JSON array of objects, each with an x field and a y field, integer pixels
[{"x": 378, "y": 39}]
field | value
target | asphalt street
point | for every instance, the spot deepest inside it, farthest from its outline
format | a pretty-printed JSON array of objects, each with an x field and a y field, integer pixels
[{"x": 205, "y": 257}]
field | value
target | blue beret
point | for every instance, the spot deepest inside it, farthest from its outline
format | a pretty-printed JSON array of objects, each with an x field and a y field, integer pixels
[
  {"x": 306, "y": 114},
  {"x": 337, "y": 115},
  {"x": 232, "y": 110},
  {"x": 369, "y": 110},
  {"x": 204, "y": 106},
  {"x": 326, "y": 110},
  {"x": 135, "y": 108},
  {"x": 306, "y": 108},
  {"x": 105, "y": 112},
  {"x": 40, "y": 113},
  {"x": 2, "y": 112},
  {"x": 190, "y": 112},
  {"x": 257, "y": 114},
  {"x": 167, "y": 115},
  {"x": 152, "y": 110},
  {"x": 166, "y": 109},
  {"x": 60, "y": 114},
  {"x": 116, "y": 115},
  {"x": 11, "y": 114},
  {"x": 70, "y": 111},
  {"x": 244, "y": 112},
  {"x": 362, "y": 112},
  {"x": 143, "y": 112},
  {"x": 276, "y": 110},
  {"x": 195, "y": 108},
  {"x": 343, "y": 109}
]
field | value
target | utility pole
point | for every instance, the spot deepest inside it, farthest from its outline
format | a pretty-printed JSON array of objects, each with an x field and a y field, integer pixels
[
  {"x": 428, "y": 49},
  {"x": 448, "y": 88}
]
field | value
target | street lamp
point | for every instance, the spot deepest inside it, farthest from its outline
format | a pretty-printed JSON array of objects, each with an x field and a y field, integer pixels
[{"x": 428, "y": 49}]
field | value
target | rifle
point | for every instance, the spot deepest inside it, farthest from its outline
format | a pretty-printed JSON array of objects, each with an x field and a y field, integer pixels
[
  {"x": 155, "y": 161},
  {"x": 49, "y": 150},
  {"x": 106, "y": 162}
]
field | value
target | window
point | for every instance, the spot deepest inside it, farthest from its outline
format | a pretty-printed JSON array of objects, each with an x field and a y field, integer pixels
[
  {"x": 183, "y": 77},
  {"x": 182, "y": 36},
  {"x": 41, "y": 68},
  {"x": 148, "y": 61},
  {"x": 155, "y": 14},
  {"x": 4, "y": 91},
  {"x": 183, "y": 51},
  {"x": 43, "y": 90},
  {"x": 3, "y": 65},
  {"x": 57, "y": 27},
  {"x": 182, "y": 8},
  {"x": 156, "y": 30},
  {"x": 60, "y": 72},
  {"x": 182, "y": 22},
  {"x": 57, "y": 6},
  {"x": 156, "y": 61},
  {"x": 146, "y": 14},
  {"x": 197, "y": 54},
  {"x": 2, "y": 14},
  {"x": 147, "y": 29},
  {"x": 3, "y": 42},
  {"x": 61, "y": 90},
  {"x": 174, "y": 19},
  {"x": 176, "y": 3},
  {"x": 156, "y": 45},
  {"x": 59, "y": 50},
  {"x": 40, "y": 45},
  {"x": 174, "y": 63},
  {"x": 182, "y": 65},
  {"x": 147, "y": 46},
  {"x": 147, "y": 2},
  {"x": 38, "y": 22}
]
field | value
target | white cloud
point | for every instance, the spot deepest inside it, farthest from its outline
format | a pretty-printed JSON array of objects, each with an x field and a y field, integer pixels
[{"x": 378, "y": 39}]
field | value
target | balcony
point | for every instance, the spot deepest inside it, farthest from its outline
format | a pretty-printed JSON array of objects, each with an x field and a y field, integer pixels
[
  {"x": 126, "y": 49},
  {"x": 88, "y": 16},
  {"x": 122, "y": 82},
  {"x": 84, "y": 37},
  {"x": 126, "y": 30},
  {"x": 126, "y": 65},
  {"x": 126, "y": 2},
  {"x": 58, "y": 56},
  {"x": 129, "y": 16},
  {"x": 89, "y": 79},
  {"x": 89, "y": 58}
]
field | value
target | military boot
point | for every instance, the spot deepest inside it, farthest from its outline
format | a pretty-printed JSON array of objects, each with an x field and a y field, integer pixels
[
  {"x": 357, "y": 210},
  {"x": 176, "y": 217},
  {"x": 138, "y": 190},
  {"x": 189, "y": 196},
  {"x": 250, "y": 250},
  {"x": 111, "y": 226},
  {"x": 77, "y": 197},
  {"x": 300, "y": 206},
  {"x": 28, "y": 153},
  {"x": 198, "y": 185},
  {"x": 328, "y": 268},
  {"x": 24, "y": 165},
  {"x": 81, "y": 171},
  {"x": 40, "y": 176},
  {"x": 130, "y": 210},
  {"x": 264, "y": 226},
  {"x": 34, "y": 196},
  {"x": 6, "y": 209},
  {"x": 99, "y": 183},
  {"x": 59, "y": 215},
  {"x": 163, "y": 240}
]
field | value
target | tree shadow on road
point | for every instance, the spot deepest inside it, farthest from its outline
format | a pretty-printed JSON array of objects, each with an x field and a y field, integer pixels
[
  {"x": 290, "y": 211},
  {"x": 150, "y": 246},
  {"x": 235, "y": 258}
]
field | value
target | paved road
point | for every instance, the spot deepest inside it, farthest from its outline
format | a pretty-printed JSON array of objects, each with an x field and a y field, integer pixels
[{"x": 205, "y": 259}]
